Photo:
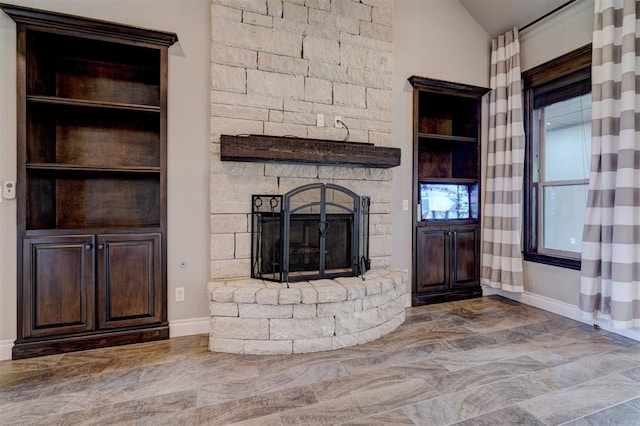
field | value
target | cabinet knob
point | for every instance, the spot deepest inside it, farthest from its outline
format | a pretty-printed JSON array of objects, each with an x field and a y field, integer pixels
[
  {"x": 100, "y": 246},
  {"x": 88, "y": 246}
]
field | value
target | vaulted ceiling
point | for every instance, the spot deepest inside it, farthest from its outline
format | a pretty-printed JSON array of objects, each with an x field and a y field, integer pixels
[{"x": 499, "y": 16}]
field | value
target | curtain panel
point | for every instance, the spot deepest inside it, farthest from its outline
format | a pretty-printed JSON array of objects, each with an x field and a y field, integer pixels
[
  {"x": 502, "y": 217},
  {"x": 610, "y": 276}
]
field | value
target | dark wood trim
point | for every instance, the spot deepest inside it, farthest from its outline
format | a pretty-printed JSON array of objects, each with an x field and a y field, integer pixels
[
  {"x": 561, "y": 262},
  {"x": 419, "y": 299},
  {"x": 442, "y": 86},
  {"x": 559, "y": 67},
  {"x": 32, "y": 348},
  {"x": 58, "y": 21},
  {"x": 262, "y": 148}
]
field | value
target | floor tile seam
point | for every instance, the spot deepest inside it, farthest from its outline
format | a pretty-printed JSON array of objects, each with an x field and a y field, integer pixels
[{"x": 601, "y": 410}]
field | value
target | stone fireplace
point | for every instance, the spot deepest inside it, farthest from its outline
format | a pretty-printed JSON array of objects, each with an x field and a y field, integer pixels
[{"x": 276, "y": 67}]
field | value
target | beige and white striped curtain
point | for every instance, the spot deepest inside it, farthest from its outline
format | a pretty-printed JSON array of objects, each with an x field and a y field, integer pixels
[
  {"x": 501, "y": 248},
  {"x": 610, "y": 278}
]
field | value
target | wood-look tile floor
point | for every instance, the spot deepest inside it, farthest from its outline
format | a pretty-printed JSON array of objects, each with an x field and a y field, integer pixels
[{"x": 487, "y": 361}]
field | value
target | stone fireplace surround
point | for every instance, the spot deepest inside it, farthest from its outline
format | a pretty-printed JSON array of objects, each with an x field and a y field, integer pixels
[
  {"x": 251, "y": 316},
  {"x": 276, "y": 65}
]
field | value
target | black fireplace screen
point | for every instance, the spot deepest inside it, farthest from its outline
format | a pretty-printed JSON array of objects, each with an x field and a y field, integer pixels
[{"x": 315, "y": 231}]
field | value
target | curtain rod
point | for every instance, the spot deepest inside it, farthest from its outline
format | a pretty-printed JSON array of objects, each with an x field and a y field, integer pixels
[{"x": 562, "y": 6}]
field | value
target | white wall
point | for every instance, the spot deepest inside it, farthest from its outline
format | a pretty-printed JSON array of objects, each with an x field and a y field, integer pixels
[
  {"x": 436, "y": 39},
  {"x": 188, "y": 147}
]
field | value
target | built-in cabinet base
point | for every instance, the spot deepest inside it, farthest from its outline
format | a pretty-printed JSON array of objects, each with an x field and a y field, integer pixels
[
  {"x": 39, "y": 347},
  {"x": 419, "y": 299}
]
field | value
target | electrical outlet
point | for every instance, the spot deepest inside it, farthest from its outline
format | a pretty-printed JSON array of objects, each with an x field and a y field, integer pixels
[
  {"x": 336, "y": 121},
  {"x": 179, "y": 294}
]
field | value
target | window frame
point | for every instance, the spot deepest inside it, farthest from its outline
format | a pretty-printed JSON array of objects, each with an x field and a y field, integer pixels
[{"x": 562, "y": 78}]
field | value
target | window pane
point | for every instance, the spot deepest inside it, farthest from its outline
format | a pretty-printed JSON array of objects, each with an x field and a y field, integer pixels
[
  {"x": 563, "y": 210},
  {"x": 567, "y": 139}
]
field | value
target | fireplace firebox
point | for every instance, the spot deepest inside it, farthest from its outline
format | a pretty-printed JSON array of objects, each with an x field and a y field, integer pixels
[{"x": 315, "y": 231}]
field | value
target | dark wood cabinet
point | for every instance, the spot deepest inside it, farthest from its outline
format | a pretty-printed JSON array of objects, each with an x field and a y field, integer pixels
[
  {"x": 91, "y": 187},
  {"x": 446, "y": 188}
]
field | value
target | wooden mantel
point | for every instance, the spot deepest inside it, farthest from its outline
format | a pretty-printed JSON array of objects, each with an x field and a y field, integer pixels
[{"x": 262, "y": 148}]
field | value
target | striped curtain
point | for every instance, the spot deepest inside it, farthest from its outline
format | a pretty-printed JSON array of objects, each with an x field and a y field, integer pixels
[
  {"x": 610, "y": 277},
  {"x": 501, "y": 249}
]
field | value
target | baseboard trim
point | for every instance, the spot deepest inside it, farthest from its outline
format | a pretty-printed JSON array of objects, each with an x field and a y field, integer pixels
[
  {"x": 560, "y": 308},
  {"x": 6, "y": 346},
  {"x": 188, "y": 327}
]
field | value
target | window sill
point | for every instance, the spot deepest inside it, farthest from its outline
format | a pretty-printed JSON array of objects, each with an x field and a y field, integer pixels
[{"x": 561, "y": 262}]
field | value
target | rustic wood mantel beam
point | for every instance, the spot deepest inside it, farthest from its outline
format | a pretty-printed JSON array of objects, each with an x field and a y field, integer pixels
[{"x": 279, "y": 149}]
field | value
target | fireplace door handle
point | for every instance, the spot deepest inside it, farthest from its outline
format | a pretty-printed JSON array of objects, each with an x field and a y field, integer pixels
[{"x": 323, "y": 227}]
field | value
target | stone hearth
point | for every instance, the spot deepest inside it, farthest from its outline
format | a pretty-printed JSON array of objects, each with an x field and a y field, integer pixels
[{"x": 251, "y": 316}]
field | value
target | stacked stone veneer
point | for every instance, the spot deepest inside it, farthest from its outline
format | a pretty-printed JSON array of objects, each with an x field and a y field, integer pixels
[
  {"x": 274, "y": 66},
  {"x": 260, "y": 317}
]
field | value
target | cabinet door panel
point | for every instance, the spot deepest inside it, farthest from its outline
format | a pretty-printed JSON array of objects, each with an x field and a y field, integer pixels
[
  {"x": 58, "y": 284},
  {"x": 129, "y": 285},
  {"x": 464, "y": 255},
  {"x": 432, "y": 259}
]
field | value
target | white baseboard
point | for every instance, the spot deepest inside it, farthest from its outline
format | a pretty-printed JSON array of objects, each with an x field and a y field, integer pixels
[
  {"x": 560, "y": 308},
  {"x": 189, "y": 327},
  {"x": 5, "y": 349}
]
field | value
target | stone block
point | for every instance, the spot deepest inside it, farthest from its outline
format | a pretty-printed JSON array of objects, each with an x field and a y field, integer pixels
[
  {"x": 304, "y": 311},
  {"x": 289, "y": 296},
  {"x": 226, "y": 223},
  {"x": 246, "y": 294},
  {"x": 355, "y": 287},
  {"x": 223, "y": 309},
  {"x": 331, "y": 293},
  {"x": 376, "y": 31},
  {"x": 297, "y": 106},
  {"x": 252, "y": 5},
  {"x": 357, "y": 305},
  {"x": 369, "y": 335},
  {"x": 319, "y": 4},
  {"x": 231, "y": 346},
  {"x": 301, "y": 346},
  {"x": 262, "y": 83},
  {"x": 372, "y": 285},
  {"x": 381, "y": 139},
  {"x": 239, "y": 112},
  {"x": 276, "y": 116},
  {"x": 387, "y": 284},
  {"x": 379, "y": 245},
  {"x": 382, "y": 4},
  {"x": 248, "y": 310},
  {"x": 235, "y": 187},
  {"x": 329, "y": 72},
  {"x": 257, "y": 38},
  {"x": 291, "y": 170},
  {"x": 334, "y": 133},
  {"x": 337, "y": 22},
  {"x": 315, "y": 29},
  {"x": 349, "y": 95},
  {"x": 267, "y": 296},
  {"x": 375, "y": 300},
  {"x": 234, "y": 56},
  {"x": 299, "y": 118},
  {"x": 379, "y": 99},
  {"x": 282, "y": 64},
  {"x": 243, "y": 99},
  {"x": 294, "y": 12},
  {"x": 230, "y": 13},
  {"x": 382, "y": 16},
  {"x": 274, "y": 8},
  {"x": 317, "y": 90},
  {"x": 368, "y": 78},
  {"x": 233, "y": 126},
  {"x": 331, "y": 309},
  {"x": 229, "y": 268},
  {"x": 222, "y": 294},
  {"x": 242, "y": 245},
  {"x": 229, "y": 79},
  {"x": 257, "y": 19},
  {"x": 321, "y": 50},
  {"x": 392, "y": 309},
  {"x": 357, "y": 321},
  {"x": 268, "y": 347},
  {"x": 369, "y": 43},
  {"x": 301, "y": 328},
  {"x": 240, "y": 328},
  {"x": 282, "y": 129},
  {"x": 308, "y": 295},
  {"x": 344, "y": 341},
  {"x": 352, "y": 9},
  {"x": 222, "y": 246}
]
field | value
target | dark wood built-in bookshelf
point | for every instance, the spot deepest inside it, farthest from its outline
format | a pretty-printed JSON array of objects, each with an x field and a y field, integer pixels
[
  {"x": 446, "y": 156},
  {"x": 91, "y": 188}
]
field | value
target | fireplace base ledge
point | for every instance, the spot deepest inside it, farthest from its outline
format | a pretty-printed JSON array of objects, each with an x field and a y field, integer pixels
[{"x": 252, "y": 316}]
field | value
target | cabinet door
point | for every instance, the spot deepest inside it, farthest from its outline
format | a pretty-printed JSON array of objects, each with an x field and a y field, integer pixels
[
  {"x": 58, "y": 285},
  {"x": 129, "y": 280},
  {"x": 432, "y": 259},
  {"x": 464, "y": 255}
]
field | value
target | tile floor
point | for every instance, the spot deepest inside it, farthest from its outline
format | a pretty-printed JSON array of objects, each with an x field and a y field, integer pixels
[{"x": 486, "y": 361}]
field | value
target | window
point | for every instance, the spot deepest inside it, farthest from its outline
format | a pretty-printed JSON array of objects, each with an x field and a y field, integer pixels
[{"x": 558, "y": 134}]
